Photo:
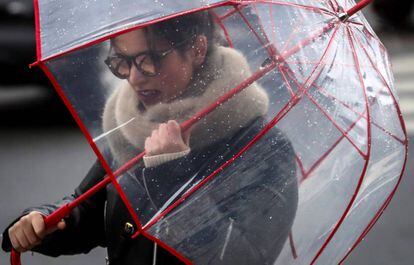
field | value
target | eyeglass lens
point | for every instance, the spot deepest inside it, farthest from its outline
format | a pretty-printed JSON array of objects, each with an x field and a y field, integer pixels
[{"x": 145, "y": 63}]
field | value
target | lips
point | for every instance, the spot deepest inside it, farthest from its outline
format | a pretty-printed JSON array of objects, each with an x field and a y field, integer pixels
[{"x": 148, "y": 95}]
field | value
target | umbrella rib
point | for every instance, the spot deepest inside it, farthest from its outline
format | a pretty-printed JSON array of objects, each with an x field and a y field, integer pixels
[
  {"x": 167, "y": 247},
  {"x": 362, "y": 176},
  {"x": 388, "y": 200},
  {"x": 272, "y": 22},
  {"x": 334, "y": 5},
  {"x": 301, "y": 167},
  {"x": 230, "y": 13},
  {"x": 303, "y": 90},
  {"x": 344, "y": 133},
  {"x": 316, "y": 164},
  {"x": 259, "y": 19},
  {"x": 269, "y": 49},
  {"x": 397, "y": 107},
  {"x": 381, "y": 210},
  {"x": 219, "y": 4},
  {"x": 292, "y": 245},
  {"x": 225, "y": 31},
  {"x": 326, "y": 93},
  {"x": 294, "y": 32},
  {"x": 37, "y": 30},
  {"x": 55, "y": 218},
  {"x": 303, "y": 172},
  {"x": 282, "y": 72},
  {"x": 335, "y": 124},
  {"x": 372, "y": 36},
  {"x": 118, "y": 32},
  {"x": 319, "y": 161},
  {"x": 309, "y": 8}
]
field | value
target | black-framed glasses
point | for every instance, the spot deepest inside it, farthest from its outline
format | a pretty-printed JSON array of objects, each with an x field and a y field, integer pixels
[{"x": 148, "y": 62}]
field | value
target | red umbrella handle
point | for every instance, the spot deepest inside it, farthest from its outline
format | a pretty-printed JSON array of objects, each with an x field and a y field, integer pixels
[
  {"x": 349, "y": 13},
  {"x": 15, "y": 257},
  {"x": 358, "y": 7}
]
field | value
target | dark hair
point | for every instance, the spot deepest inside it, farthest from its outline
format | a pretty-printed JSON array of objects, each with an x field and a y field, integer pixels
[{"x": 184, "y": 30}]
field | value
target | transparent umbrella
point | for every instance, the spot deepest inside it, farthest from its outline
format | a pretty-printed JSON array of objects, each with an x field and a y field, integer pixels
[{"x": 295, "y": 139}]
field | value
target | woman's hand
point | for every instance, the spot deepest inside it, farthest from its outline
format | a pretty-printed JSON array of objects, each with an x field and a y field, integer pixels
[
  {"x": 29, "y": 231},
  {"x": 167, "y": 139}
]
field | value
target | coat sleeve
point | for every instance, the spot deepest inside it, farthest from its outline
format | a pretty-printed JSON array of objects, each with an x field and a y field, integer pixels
[{"x": 84, "y": 226}]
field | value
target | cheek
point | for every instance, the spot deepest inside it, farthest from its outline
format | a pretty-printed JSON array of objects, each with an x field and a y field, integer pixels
[{"x": 177, "y": 79}]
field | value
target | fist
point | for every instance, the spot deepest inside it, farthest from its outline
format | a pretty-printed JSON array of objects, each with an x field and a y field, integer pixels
[
  {"x": 29, "y": 231},
  {"x": 168, "y": 138}
]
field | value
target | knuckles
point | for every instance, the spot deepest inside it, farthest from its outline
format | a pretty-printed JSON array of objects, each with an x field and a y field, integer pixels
[
  {"x": 166, "y": 139},
  {"x": 23, "y": 234}
]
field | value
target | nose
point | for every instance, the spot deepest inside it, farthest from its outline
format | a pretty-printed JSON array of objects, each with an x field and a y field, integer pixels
[{"x": 136, "y": 78}]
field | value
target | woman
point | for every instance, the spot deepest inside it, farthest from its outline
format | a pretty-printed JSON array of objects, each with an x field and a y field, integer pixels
[{"x": 173, "y": 69}]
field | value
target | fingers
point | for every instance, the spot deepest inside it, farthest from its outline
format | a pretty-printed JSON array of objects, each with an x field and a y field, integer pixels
[
  {"x": 163, "y": 135},
  {"x": 27, "y": 232},
  {"x": 174, "y": 131},
  {"x": 31, "y": 237},
  {"x": 166, "y": 139},
  {"x": 18, "y": 240},
  {"x": 152, "y": 144},
  {"x": 39, "y": 226}
]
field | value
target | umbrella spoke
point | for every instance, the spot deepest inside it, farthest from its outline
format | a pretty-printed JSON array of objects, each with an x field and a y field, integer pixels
[
  {"x": 361, "y": 178},
  {"x": 219, "y": 21},
  {"x": 344, "y": 133},
  {"x": 326, "y": 93},
  {"x": 272, "y": 23},
  {"x": 389, "y": 91},
  {"x": 298, "y": 6}
]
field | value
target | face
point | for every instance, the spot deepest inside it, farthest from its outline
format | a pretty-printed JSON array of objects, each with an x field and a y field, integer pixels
[{"x": 175, "y": 69}]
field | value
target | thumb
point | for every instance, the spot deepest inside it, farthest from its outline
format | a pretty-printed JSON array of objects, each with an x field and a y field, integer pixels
[{"x": 61, "y": 225}]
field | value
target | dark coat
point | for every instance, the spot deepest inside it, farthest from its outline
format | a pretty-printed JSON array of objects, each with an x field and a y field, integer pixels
[{"x": 253, "y": 204}]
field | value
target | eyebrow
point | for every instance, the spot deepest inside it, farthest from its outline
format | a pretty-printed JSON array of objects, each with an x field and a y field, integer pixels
[{"x": 118, "y": 51}]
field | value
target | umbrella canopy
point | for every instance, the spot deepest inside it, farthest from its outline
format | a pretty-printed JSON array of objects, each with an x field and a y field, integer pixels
[{"x": 317, "y": 83}]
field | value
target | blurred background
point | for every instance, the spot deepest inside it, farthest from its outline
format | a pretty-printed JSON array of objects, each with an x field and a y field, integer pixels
[{"x": 44, "y": 155}]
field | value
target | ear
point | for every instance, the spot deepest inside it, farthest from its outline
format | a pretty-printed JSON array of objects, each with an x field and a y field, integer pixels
[{"x": 199, "y": 50}]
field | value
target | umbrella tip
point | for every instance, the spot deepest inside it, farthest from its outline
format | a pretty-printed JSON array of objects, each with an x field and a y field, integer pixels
[{"x": 343, "y": 17}]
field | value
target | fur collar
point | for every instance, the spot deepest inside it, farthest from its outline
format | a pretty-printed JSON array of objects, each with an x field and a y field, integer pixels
[{"x": 222, "y": 72}]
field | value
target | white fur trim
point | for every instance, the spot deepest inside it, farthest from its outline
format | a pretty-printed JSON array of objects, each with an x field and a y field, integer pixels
[{"x": 225, "y": 69}]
